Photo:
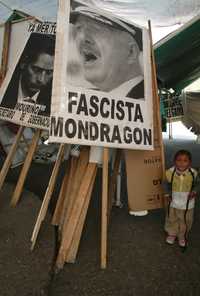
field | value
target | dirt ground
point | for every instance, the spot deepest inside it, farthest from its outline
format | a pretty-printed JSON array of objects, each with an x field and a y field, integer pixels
[{"x": 140, "y": 263}]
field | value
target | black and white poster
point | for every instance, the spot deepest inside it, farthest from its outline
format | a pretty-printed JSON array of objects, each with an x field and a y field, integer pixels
[
  {"x": 102, "y": 88},
  {"x": 25, "y": 95}
]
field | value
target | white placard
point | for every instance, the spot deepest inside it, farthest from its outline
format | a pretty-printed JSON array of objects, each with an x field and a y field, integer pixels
[
  {"x": 102, "y": 88},
  {"x": 25, "y": 94}
]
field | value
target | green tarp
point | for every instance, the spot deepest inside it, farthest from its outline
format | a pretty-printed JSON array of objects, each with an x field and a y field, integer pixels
[{"x": 178, "y": 57}]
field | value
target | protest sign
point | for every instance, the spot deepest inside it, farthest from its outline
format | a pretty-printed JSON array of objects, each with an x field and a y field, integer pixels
[
  {"x": 172, "y": 105},
  {"x": 25, "y": 94},
  {"x": 102, "y": 89}
]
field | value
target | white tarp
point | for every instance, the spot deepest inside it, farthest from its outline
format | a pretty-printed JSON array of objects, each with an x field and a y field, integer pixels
[
  {"x": 191, "y": 106},
  {"x": 161, "y": 13}
]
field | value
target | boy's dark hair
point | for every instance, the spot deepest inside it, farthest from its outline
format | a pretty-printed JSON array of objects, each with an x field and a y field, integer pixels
[{"x": 183, "y": 152}]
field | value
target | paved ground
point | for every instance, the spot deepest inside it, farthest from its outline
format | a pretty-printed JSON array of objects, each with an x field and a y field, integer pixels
[
  {"x": 23, "y": 272},
  {"x": 139, "y": 261}
]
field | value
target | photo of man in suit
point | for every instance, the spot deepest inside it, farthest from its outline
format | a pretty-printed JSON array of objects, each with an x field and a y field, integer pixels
[
  {"x": 32, "y": 79},
  {"x": 109, "y": 51}
]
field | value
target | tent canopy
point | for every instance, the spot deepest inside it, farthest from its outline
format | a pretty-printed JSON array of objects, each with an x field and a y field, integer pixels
[
  {"x": 161, "y": 13},
  {"x": 178, "y": 56}
]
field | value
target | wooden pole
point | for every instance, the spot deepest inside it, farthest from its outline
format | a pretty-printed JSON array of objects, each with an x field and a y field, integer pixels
[
  {"x": 157, "y": 102},
  {"x": 61, "y": 198},
  {"x": 10, "y": 156},
  {"x": 170, "y": 129},
  {"x": 6, "y": 43},
  {"x": 113, "y": 181},
  {"x": 104, "y": 210},
  {"x": 70, "y": 256},
  {"x": 71, "y": 223},
  {"x": 68, "y": 202},
  {"x": 48, "y": 194},
  {"x": 77, "y": 171},
  {"x": 157, "y": 99},
  {"x": 25, "y": 168},
  {"x": 79, "y": 166}
]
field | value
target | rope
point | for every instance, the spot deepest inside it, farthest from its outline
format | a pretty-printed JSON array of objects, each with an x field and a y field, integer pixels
[
  {"x": 172, "y": 179},
  {"x": 186, "y": 210}
]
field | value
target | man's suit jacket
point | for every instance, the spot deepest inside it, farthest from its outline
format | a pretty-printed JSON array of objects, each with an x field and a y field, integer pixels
[
  {"x": 137, "y": 92},
  {"x": 11, "y": 94}
]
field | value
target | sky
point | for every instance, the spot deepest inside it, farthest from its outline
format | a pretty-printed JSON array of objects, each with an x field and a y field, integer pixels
[{"x": 160, "y": 32}]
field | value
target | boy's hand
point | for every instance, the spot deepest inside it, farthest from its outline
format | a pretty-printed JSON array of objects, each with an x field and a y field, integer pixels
[{"x": 192, "y": 195}]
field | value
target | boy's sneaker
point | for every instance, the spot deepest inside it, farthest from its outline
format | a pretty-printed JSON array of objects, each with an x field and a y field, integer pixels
[
  {"x": 182, "y": 243},
  {"x": 170, "y": 239}
]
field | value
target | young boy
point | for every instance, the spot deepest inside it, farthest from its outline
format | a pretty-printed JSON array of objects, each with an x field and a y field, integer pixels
[{"x": 181, "y": 189}]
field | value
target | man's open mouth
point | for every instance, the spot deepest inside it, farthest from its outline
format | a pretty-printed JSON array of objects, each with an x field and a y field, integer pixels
[{"x": 88, "y": 56}]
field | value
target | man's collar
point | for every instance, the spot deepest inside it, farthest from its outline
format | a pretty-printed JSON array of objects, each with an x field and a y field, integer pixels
[{"x": 123, "y": 89}]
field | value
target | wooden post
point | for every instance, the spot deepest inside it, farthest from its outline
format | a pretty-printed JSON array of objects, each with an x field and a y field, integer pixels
[
  {"x": 61, "y": 198},
  {"x": 52, "y": 181},
  {"x": 157, "y": 99},
  {"x": 67, "y": 203},
  {"x": 71, "y": 223},
  {"x": 157, "y": 102},
  {"x": 25, "y": 168},
  {"x": 104, "y": 210},
  {"x": 48, "y": 194},
  {"x": 78, "y": 172},
  {"x": 170, "y": 129},
  {"x": 70, "y": 193},
  {"x": 72, "y": 252},
  {"x": 10, "y": 156},
  {"x": 113, "y": 181},
  {"x": 6, "y": 43}
]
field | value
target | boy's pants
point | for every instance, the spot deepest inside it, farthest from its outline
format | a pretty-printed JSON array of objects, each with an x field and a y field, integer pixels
[{"x": 175, "y": 222}]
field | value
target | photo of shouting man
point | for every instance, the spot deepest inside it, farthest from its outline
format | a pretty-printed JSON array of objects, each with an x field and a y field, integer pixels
[{"x": 109, "y": 51}]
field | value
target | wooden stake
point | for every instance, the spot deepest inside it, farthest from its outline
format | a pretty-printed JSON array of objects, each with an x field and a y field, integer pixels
[
  {"x": 157, "y": 99},
  {"x": 6, "y": 43},
  {"x": 48, "y": 194},
  {"x": 26, "y": 166},
  {"x": 157, "y": 105},
  {"x": 75, "y": 185},
  {"x": 72, "y": 252},
  {"x": 104, "y": 211},
  {"x": 113, "y": 181},
  {"x": 67, "y": 203},
  {"x": 61, "y": 198},
  {"x": 70, "y": 226},
  {"x": 10, "y": 156}
]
